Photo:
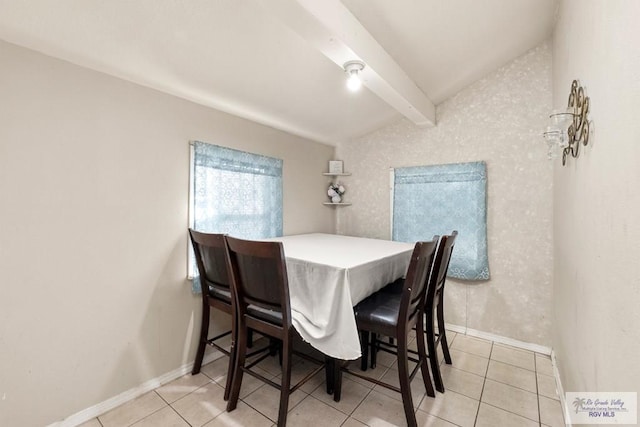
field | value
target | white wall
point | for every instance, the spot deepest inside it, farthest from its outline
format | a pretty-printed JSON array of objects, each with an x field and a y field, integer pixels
[
  {"x": 498, "y": 119},
  {"x": 597, "y": 200},
  {"x": 93, "y": 230}
]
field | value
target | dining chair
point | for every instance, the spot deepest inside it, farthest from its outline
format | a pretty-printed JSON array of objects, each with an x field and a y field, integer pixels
[
  {"x": 261, "y": 288},
  {"x": 434, "y": 305},
  {"x": 395, "y": 315},
  {"x": 211, "y": 258}
]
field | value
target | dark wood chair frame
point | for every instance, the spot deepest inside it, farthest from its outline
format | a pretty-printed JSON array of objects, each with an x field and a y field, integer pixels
[
  {"x": 410, "y": 315},
  {"x": 434, "y": 303},
  {"x": 215, "y": 282},
  {"x": 261, "y": 290},
  {"x": 211, "y": 258}
]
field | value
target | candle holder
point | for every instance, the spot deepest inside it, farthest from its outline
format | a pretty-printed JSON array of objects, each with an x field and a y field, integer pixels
[{"x": 569, "y": 129}]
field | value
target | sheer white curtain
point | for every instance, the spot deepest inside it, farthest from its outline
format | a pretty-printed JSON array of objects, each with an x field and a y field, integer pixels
[{"x": 234, "y": 192}]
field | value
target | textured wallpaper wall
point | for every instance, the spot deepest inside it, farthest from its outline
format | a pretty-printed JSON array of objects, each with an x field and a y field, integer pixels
[
  {"x": 597, "y": 202},
  {"x": 498, "y": 119}
]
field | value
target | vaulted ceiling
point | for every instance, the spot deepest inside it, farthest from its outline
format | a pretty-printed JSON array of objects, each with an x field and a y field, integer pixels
[{"x": 279, "y": 62}]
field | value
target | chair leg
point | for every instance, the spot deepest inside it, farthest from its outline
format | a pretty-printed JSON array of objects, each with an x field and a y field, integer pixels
[
  {"x": 285, "y": 387},
  {"x": 441, "y": 330},
  {"x": 231, "y": 369},
  {"x": 233, "y": 354},
  {"x": 364, "y": 347},
  {"x": 279, "y": 350},
  {"x": 250, "y": 338},
  {"x": 337, "y": 380},
  {"x": 204, "y": 332},
  {"x": 374, "y": 350},
  {"x": 433, "y": 353},
  {"x": 238, "y": 370},
  {"x": 422, "y": 356},
  {"x": 405, "y": 384}
]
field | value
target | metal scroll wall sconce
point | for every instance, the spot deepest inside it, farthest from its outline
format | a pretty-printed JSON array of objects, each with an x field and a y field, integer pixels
[{"x": 568, "y": 129}]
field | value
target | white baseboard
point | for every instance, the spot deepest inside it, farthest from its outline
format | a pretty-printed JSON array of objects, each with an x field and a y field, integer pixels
[
  {"x": 126, "y": 396},
  {"x": 500, "y": 339},
  {"x": 563, "y": 400}
]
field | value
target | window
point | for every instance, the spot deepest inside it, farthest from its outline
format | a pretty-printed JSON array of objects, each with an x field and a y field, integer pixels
[
  {"x": 430, "y": 200},
  {"x": 233, "y": 192}
]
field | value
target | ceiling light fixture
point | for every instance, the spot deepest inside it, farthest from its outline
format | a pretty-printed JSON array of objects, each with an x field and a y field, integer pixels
[{"x": 353, "y": 68}]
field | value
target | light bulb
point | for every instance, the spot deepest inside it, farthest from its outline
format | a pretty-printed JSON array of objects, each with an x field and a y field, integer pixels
[
  {"x": 353, "y": 82},
  {"x": 353, "y": 68}
]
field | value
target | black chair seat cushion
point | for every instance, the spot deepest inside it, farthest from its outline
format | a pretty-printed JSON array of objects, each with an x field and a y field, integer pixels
[
  {"x": 220, "y": 294},
  {"x": 271, "y": 316},
  {"x": 379, "y": 313}
]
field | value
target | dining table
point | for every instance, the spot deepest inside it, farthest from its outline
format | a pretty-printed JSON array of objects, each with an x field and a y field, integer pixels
[{"x": 328, "y": 275}]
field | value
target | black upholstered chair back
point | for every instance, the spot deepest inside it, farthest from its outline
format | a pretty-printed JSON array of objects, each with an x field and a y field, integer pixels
[
  {"x": 443, "y": 257},
  {"x": 213, "y": 265},
  {"x": 434, "y": 304},
  {"x": 210, "y": 254},
  {"x": 413, "y": 292},
  {"x": 260, "y": 275}
]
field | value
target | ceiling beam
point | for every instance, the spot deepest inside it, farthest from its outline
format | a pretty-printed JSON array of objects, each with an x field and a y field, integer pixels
[{"x": 332, "y": 29}]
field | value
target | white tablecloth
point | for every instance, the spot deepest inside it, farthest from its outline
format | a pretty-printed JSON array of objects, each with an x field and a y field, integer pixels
[{"x": 328, "y": 274}]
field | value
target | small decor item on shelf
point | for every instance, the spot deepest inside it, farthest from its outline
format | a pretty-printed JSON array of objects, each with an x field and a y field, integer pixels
[
  {"x": 335, "y": 192},
  {"x": 335, "y": 166}
]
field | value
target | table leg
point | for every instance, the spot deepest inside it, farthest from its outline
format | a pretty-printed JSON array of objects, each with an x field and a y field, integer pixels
[
  {"x": 337, "y": 380},
  {"x": 329, "y": 366}
]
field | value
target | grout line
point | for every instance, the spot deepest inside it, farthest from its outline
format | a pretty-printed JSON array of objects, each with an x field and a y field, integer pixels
[
  {"x": 152, "y": 413},
  {"x": 358, "y": 405},
  {"x": 256, "y": 409},
  {"x": 513, "y": 386},
  {"x": 363, "y": 399},
  {"x": 484, "y": 382},
  {"x": 513, "y": 413},
  {"x": 515, "y": 366},
  {"x": 188, "y": 423},
  {"x": 371, "y": 389},
  {"x": 535, "y": 365},
  {"x": 332, "y": 407},
  {"x": 165, "y": 400}
]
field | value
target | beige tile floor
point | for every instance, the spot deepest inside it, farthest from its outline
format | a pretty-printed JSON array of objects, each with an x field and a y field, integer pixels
[{"x": 489, "y": 384}]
